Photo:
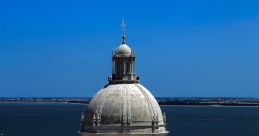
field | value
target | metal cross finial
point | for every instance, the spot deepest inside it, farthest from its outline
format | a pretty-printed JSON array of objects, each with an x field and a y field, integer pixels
[{"x": 123, "y": 28}]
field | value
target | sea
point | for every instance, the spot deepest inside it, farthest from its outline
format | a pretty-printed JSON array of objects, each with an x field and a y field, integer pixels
[{"x": 49, "y": 119}]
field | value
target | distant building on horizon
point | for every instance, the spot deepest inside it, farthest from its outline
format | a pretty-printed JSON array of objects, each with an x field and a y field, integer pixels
[{"x": 123, "y": 106}]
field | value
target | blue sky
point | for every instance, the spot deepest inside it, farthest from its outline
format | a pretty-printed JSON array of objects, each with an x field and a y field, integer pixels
[{"x": 51, "y": 48}]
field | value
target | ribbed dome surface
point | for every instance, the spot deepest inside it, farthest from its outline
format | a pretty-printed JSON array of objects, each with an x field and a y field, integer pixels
[
  {"x": 116, "y": 103},
  {"x": 123, "y": 49}
]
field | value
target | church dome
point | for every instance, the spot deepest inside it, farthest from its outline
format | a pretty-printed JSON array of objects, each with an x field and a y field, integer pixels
[
  {"x": 123, "y": 107},
  {"x": 128, "y": 104},
  {"x": 123, "y": 49}
]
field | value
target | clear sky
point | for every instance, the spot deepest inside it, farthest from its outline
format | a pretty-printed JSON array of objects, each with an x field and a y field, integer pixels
[{"x": 51, "y": 48}]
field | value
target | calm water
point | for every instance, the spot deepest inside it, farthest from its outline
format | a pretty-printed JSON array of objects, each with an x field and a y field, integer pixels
[{"x": 64, "y": 120}]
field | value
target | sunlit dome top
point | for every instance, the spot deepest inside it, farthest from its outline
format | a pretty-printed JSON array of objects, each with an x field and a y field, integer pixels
[{"x": 123, "y": 49}]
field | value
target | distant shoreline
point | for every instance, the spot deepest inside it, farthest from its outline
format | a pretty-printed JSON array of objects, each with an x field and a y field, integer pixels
[
  {"x": 160, "y": 105},
  {"x": 210, "y": 106},
  {"x": 181, "y": 101}
]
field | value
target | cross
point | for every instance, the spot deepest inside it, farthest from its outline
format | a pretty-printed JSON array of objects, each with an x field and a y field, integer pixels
[{"x": 123, "y": 27}]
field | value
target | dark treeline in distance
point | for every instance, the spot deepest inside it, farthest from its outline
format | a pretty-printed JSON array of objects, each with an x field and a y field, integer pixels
[{"x": 210, "y": 101}]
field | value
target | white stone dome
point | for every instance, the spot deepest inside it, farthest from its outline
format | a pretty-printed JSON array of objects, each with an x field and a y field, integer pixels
[
  {"x": 123, "y": 107},
  {"x": 123, "y": 49},
  {"x": 129, "y": 104}
]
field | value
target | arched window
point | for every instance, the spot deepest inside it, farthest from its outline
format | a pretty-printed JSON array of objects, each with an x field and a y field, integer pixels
[{"x": 128, "y": 67}]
